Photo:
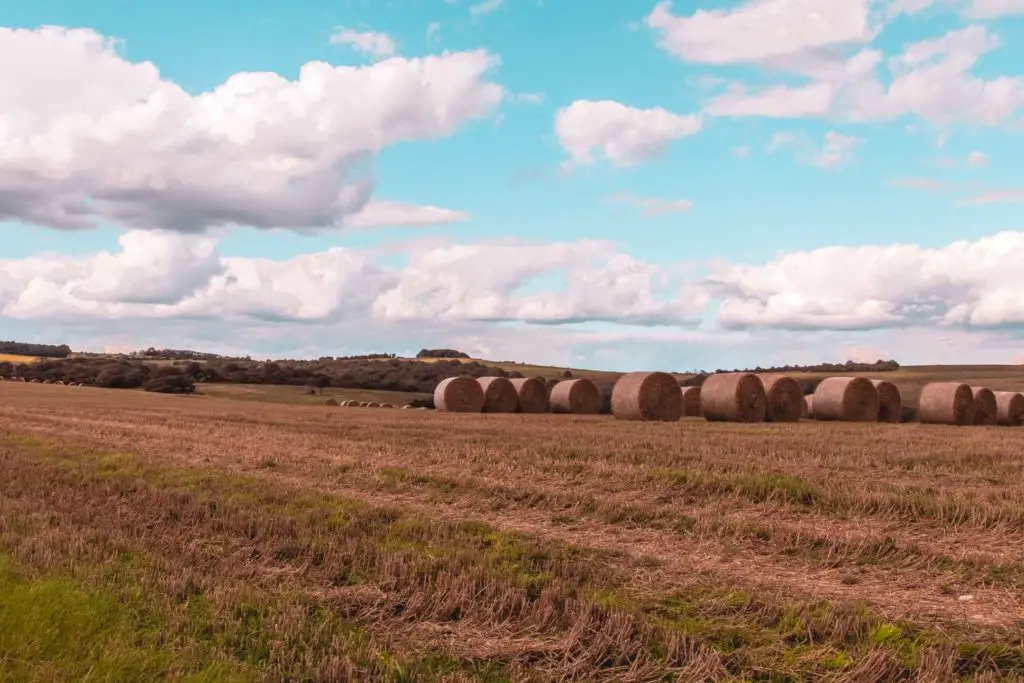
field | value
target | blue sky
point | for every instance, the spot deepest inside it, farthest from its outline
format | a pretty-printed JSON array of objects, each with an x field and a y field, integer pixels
[{"x": 633, "y": 183}]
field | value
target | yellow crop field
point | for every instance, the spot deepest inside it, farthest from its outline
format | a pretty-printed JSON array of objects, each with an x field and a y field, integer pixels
[{"x": 15, "y": 358}]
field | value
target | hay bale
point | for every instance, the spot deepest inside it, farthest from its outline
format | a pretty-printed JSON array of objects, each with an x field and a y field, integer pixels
[
  {"x": 890, "y": 402},
  {"x": 691, "y": 401},
  {"x": 807, "y": 412},
  {"x": 984, "y": 406},
  {"x": 849, "y": 399},
  {"x": 650, "y": 396},
  {"x": 946, "y": 403},
  {"x": 407, "y": 407},
  {"x": 459, "y": 395},
  {"x": 1009, "y": 408},
  {"x": 499, "y": 395},
  {"x": 330, "y": 402},
  {"x": 532, "y": 395},
  {"x": 733, "y": 397},
  {"x": 785, "y": 398},
  {"x": 576, "y": 397},
  {"x": 373, "y": 404}
]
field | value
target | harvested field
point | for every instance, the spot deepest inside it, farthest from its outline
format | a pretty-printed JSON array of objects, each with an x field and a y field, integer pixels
[{"x": 272, "y": 542}]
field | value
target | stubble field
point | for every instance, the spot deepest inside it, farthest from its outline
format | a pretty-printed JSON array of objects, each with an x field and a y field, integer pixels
[{"x": 210, "y": 539}]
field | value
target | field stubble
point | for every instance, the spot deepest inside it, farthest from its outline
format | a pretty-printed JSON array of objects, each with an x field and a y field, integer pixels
[{"x": 517, "y": 546}]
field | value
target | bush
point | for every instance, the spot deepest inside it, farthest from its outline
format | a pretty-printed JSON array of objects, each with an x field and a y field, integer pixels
[{"x": 441, "y": 353}]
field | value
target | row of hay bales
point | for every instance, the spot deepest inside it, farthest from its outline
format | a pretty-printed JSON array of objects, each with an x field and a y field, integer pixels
[
  {"x": 41, "y": 381},
  {"x": 367, "y": 404},
  {"x": 746, "y": 397},
  {"x": 517, "y": 395}
]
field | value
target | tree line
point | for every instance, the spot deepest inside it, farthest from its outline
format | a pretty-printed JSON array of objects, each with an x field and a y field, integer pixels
[{"x": 15, "y": 348}]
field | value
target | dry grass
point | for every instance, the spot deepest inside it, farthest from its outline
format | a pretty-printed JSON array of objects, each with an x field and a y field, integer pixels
[{"x": 302, "y": 542}]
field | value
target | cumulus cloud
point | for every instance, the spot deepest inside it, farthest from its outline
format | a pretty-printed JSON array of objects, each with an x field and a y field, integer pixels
[
  {"x": 826, "y": 45},
  {"x": 963, "y": 283},
  {"x": 371, "y": 43},
  {"x": 624, "y": 135},
  {"x": 89, "y": 136},
  {"x": 168, "y": 275}
]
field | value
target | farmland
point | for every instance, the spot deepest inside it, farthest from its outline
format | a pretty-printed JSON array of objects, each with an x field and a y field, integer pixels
[
  {"x": 228, "y": 539},
  {"x": 16, "y": 358}
]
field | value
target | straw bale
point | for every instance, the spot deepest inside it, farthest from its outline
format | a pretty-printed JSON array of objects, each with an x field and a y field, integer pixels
[
  {"x": 691, "y": 401},
  {"x": 1009, "y": 408},
  {"x": 808, "y": 409},
  {"x": 890, "y": 402},
  {"x": 373, "y": 404},
  {"x": 459, "y": 395},
  {"x": 984, "y": 406},
  {"x": 651, "y": 396},
  {"x": 577, "y": 397},
  {"x": 499, "y": 395},
  {"x": 848, "y": 399},
  {"x": 785, "y": 398},
  {"x": 947, "y": 403},
  {"x": 532, "y": 394},
  {"x": 733, "y": 397},
  {"x": 330, "y": 402}
]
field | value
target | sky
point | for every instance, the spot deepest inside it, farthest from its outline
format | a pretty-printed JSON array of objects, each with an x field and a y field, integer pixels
[{"x": 638, "y": 185}]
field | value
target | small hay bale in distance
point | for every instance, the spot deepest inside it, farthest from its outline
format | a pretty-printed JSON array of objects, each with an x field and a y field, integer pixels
[
  {"x": 984, "y": 406},
  {"x": 890, "y": 402},
  {"x": 733, "y": 397},
  {"x": 785, "y": 398},
  {"x": 330, "y": 402},
  {"x": 532, "y": 395},
  {"x": 459, "y": 395},
  {"x": 576, "y": 397},
  {"x": 946, "y": 403},
  {"x": 647, "y": 396},
  {"x": 1009, "y": 408},
  {"x": 499, "y": 395},
  {"x": 691, "y": 401},
  {"x": 846, "y": 399}
]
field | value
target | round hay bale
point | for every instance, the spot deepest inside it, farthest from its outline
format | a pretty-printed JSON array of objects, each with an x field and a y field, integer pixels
[
  {"x": 406, "y": 407},
  {"x": 807, "y": 412},
  {"x": 373, "y": 404},
  {"x": 946, "y": 403},
  {"x": 650, "y": 396},
  {"x": 785, "y": 398},
  {"x": 733, "y": 397},
  {"x": 691, "y": 401},
  {"x": 576, "y": 397},
  {"x": 499, "y": 395},
  {"x": 984, "y": 406},
  {"x": 890, "y": 402},
  {"x": 849, "y": 399},
  {"x": 459, "y": 395},
  {"x": 330, "y": 402},
  {"x": 1009, "y": 408},
  {"x": 532, "y": 395}
]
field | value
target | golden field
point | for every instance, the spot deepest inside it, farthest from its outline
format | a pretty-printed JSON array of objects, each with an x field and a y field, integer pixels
[
  {"x": 209, "y": 538},
  {"x": 15, "y": 358}
]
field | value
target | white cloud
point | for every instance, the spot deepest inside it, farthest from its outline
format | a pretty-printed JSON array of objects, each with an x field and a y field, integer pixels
[
  {"x": 528, "y": 97},
  {"x": 372, "y": 43},
  {"x": 1013, "y": 196},
  {"x": 378, "y": 214},
  {"x": 931, "y": 79},
  {"x": 485, "y": 7},
  {"x": 89, "y": 136},
  {"x": 653, "y": 206},
  {"x": 760, "y": 30},
  {"x": 964, "y": 283},
  {"x": 434, "y": 30},
  {"x": 836, "y": 149},
  {"x": 989, "y": 9},
  {"x": 976, "y": 159},
  {"x": 626, "y": 136}
]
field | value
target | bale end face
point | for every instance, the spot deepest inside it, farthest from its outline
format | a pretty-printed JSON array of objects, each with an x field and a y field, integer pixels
[
  {"x": 459, "y": 395},
  {"x": 1009, "y": 408},
  {"x": 847, "y": 399},
  {"x": 647, "y": 396},
  {"x": 576, "y": 397},
  {"x": 691, "y": 401},
  {"x": 890, "y": 401},
  {"x": 946, "y": 403},
  {"x": 785, "y": 398},
  {"x": 733, "y": 397},
  {"x": 499, "y": 395},
  {"x": 532, "y": 395},
  {"x": 985, "y": 407}
]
